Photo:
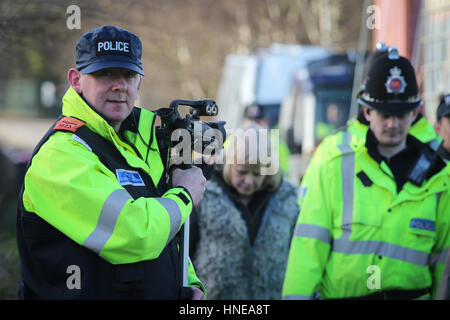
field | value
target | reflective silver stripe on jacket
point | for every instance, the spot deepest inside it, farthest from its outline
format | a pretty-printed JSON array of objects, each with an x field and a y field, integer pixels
[
  {"x": 385, "y": 249},
  {"x": 110, "y": 213},
  {"x": 381, "y": 248},
  {"x": 439, "y": 258},
  {"x": 296, "y": 297},
  {"x": 174, "y": 214},
  {"x": 438, "y": 198},
  {"x": 312, "y": 231},
  {"x": 107, "y": 220},
  {"x": 434, "y": 144},
  {"x": 443, "y": 292},
  {"x": 347, "y": 176}
]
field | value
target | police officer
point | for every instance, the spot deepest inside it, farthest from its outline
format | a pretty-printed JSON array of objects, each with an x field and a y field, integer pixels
[
  {"x": 357, "y": 128},
  {"x": 442, "y": 125},
  {"x": 95, "y": 218},
  {"x": 255, "y": 114},
  {"x": 375, "y": 222}
]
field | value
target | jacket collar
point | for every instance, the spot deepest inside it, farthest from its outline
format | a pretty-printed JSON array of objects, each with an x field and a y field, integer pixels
[{"x": 75, "y": 106}]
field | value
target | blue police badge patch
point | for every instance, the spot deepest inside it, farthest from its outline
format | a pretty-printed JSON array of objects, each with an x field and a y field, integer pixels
[
  {"x": 422, "y": 224},
  {"x": 128, "y": 177},
  {"x": 395, "y": 83}
]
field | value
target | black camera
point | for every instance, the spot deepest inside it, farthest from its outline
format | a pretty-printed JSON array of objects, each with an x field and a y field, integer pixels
[{"x": 202, "y": 137}]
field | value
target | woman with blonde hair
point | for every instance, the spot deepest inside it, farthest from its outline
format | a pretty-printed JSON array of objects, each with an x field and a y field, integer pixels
[{"x": 241, "y": 230}]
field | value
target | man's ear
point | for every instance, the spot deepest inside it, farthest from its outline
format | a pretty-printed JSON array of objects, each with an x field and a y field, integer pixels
[
  {"x": 437, "y": 127},
  {"x": 74, "y": 77},
  {"x": 366, "y": 112}
]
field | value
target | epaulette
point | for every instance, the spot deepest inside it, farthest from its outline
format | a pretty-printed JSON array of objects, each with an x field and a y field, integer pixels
[{"x": 68, "y": 124}]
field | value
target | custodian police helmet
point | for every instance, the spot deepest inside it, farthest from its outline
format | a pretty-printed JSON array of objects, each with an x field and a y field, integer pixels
[{"x": 391, "y": 85}]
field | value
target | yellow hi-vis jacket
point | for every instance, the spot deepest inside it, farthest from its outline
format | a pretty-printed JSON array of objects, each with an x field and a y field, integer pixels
[
  {"x": 72, "y": 190},
  {"x": 346, "y": 229},
  {"x": 421, "y": 130}
]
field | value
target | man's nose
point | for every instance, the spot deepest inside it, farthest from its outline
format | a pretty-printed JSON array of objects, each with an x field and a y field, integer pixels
[
  {"x": 248, "y": 180},
  {"x": 392, "y": 122},
  {"x": 119, "y": 83}
]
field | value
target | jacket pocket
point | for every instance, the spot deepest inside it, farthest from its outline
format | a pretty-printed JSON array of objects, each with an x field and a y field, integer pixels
[
  {"x": 421, "y": 223},
  {"x": 363, "y": 223},
  {"x": 422, "y": 234},
  {"x": 151, "y": 279}
]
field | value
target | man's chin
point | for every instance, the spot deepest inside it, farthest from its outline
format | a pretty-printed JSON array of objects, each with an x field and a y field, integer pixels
[
  {"x": 117, "y": 116},
  {"x": 245, "y": 193},
  {"x": 391, "y": 143}
]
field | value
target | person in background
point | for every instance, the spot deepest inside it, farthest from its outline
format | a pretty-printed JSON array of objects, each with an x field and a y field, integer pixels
[
  {"x": 375, "y": 221},
  {"x": 243, "y": 226},
  {"x": 333, "y": 117},
  {"x": 255, "y": 114},
  {"x": 357, "y": 129},
  {"x": 442, "y": 125}
]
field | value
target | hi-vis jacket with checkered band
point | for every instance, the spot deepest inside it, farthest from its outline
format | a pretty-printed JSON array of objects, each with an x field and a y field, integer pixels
[
  {"x": 76, "y": 211},
  {"x": 348, "y": 228}
]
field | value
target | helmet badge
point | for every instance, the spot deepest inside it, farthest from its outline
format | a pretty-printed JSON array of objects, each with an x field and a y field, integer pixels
[{"x": 395, "y": 83}]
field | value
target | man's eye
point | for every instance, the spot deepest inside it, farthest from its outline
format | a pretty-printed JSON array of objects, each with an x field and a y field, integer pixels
[
  {"x": 100, "y": 73},
  {"x": 103, "y": 73},
  {"x": 130, "y": 75}
]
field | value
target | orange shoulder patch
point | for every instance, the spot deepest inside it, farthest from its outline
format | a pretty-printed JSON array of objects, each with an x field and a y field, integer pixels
[{"x": 69, "y": 124}]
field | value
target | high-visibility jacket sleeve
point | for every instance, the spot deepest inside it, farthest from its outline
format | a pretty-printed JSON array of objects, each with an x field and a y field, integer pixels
[
  {"x": 442, "y": 246},
  {"x": 310, "y": 174},
  {"x": 310, "y": 245},
  {"x": 193, "y": 280},
  {"x": 327, "y": 147},
  {"x": 71, "y": 189}
]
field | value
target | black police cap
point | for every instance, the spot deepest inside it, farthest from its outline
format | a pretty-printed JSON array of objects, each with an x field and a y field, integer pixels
[
  {"x": 443, "y": 109},
  {"x": 109, "y": 47},
  {"x": 391, "y": 85}
]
